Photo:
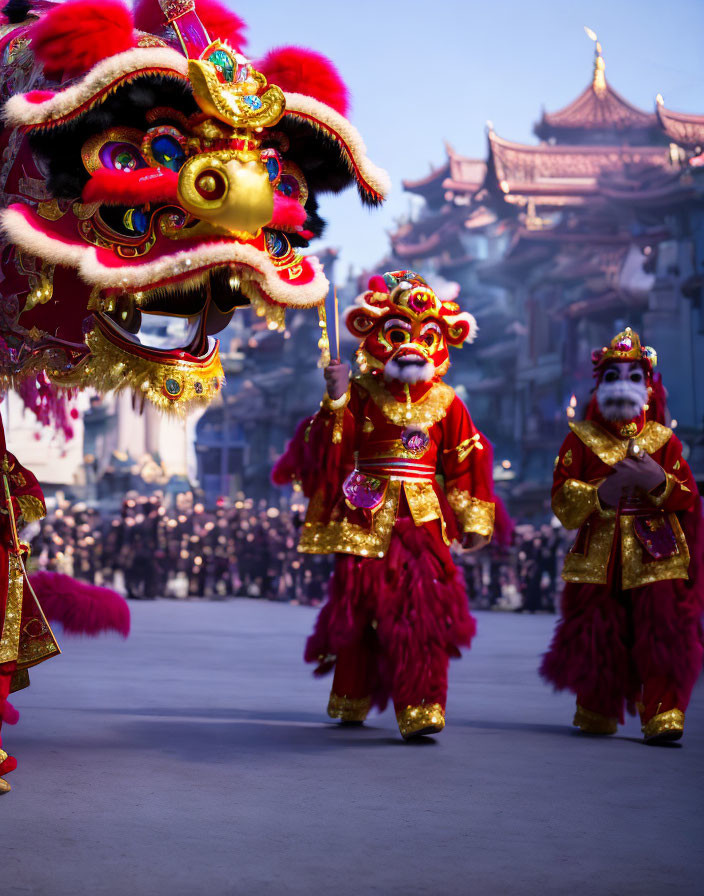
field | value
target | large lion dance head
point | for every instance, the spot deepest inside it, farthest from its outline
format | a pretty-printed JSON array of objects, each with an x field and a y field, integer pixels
[{"x": 154, "y": 181}]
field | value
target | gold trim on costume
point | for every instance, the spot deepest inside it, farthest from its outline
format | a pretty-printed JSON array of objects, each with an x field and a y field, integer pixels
[
  {"x": 473, "y": 514},
  {"x": 575, "y": 502},
  {"x": 610, "y": 449},
  {"x": 672, "y": 720},
  {"x": 592, "y": 566},
  {"x": 335, "y": 404},
  {"x": 594, "y": 722},
  {"x": 171, "y": 387},
  {"x": 670, "y": 483},
  {"x": 10, "y": 641},
  {"x": 19, "y": 680},
  {"x": 422, "y": 501},
  {"x": 636, "y": 572},
  {"x": 344, "y": 537},
  {"x": 348, "y": 709},
  {"x": 425, "y": 718},
  {"x": 31, "y": 508},
  {"x": 430, "y": 409}
]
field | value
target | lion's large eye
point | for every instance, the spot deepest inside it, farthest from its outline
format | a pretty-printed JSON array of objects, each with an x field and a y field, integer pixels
[
  {"x": 611, "y": 376},
  {"x": 292, "y": 183},
  {"x": 122, "y": 157},
  {"x": 397, "y": 336},
  {"x": 431, "y": 336},
  {"x": 165, "y": 146},
  {"x": 167, "y": 151}
]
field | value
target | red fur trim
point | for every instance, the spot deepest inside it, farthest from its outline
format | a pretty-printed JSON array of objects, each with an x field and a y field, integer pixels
[
  {"x": 297, "y": 70},
  {"x": 289, "y": 214},
  {"x": 9, "y": 715},
  {"x": 132, "y": 187},
  {"x": 81, "y": 608},
  {"x": 72, "y": 37},
  {"x": 218, "y": 20}
]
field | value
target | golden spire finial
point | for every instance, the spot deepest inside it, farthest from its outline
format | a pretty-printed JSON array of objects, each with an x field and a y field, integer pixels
[{"x": 598, "y": 78}]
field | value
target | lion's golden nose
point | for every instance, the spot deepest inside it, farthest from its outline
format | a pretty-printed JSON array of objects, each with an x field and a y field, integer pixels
[{"x": 230, "y": 189}]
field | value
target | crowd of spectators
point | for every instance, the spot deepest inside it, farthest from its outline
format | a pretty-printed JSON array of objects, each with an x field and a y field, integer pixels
[{"x": 157, "y": 548}]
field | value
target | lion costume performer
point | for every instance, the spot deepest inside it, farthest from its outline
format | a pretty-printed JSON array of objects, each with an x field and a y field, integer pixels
[
  {"x": 154, "y": 181},
  {"x": 368, "y": 460},
  {"x": 630, "y": 631}
]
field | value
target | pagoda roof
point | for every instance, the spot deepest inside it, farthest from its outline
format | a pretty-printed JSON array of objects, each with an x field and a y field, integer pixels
[
  {"x": 430, "y": 187},
  {"x": 559, "y": 174},
  {"x": 592, "y": 111},
  {"x": 429, "y": 235},
  {"x": 598, "y": 108},
  {"x": 686, "y": 130},
  {"x": 466, "y": 174}
]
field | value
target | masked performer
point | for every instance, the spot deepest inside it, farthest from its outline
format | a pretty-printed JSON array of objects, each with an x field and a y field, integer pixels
[
  {"x": 368, "y": 460},
  {"x": 630, "y": 631},
  {"x": 26, "y": 636}
]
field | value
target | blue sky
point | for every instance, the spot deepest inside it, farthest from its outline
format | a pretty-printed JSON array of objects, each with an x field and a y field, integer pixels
[{"x": 424, "y": 72}]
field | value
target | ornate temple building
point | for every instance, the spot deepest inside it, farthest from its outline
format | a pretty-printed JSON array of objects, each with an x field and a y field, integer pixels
[{"x": 557, "y": 245}]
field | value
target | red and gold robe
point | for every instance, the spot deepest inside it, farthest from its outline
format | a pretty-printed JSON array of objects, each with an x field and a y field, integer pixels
[
  {"x": 630, "y": 630},
  {"x": 393, "y": 474},
  {"x": 26, "y": 637}
]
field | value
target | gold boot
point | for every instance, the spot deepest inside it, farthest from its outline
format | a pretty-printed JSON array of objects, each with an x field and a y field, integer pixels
[
  {"x": 348, "y": 710},
  {"x": 663, "y": 727},
  {"x": 593, "y": 722},
  {"x": 415, "y": 721},
  {"x": 4, "y": 786}
]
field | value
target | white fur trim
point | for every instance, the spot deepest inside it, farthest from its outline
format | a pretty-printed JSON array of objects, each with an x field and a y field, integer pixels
[
  {"x": 416, "y": 373},
  {"x": 20, "y": 112},
  {"x": 21, "y": 232},
  {"x": 263, "y": 272},
  {"x": 85, "y": 260},
  {"x": 300, "y": 106},
  {"x": 468, "y": 318}
]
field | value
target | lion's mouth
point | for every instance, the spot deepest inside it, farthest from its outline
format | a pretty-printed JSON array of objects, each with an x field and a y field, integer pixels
[
  {"x": 175, "y": 318},
  {"x": 162, "y": 332}
]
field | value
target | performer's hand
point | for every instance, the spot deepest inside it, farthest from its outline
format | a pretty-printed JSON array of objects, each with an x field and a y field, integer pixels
[
  {"x": 646, "y": 473},
  {"x": 610, "y": 490},
  {"x": 337, "y": 378},
  {"x": 629, "y": 476},
  {"x": 471, "y": 541}
]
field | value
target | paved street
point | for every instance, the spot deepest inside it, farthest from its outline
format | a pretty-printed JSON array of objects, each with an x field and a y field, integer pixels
[{"x": 195, "y": 758}]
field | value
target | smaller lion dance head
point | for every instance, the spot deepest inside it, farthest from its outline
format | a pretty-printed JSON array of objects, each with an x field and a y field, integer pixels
[
  {"x": 154, "y": 180},
  {"x": 406, "y": 329}
]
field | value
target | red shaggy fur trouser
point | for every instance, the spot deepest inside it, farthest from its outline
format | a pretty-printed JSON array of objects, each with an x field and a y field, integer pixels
[
  {"x": 392, "y": 623},
  {"x": 615, "y": 647},
  {"x": 7, "y": 713}
]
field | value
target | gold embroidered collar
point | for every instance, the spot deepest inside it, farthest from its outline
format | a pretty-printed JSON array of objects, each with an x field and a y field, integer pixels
[
  {"x": 430, "y": 409},
  {"x": 610, "y": 448}
]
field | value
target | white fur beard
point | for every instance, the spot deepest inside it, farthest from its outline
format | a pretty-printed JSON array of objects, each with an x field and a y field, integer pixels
[
  {"x": 410, "y": 373},
  {"x": 621, "y": 400}
]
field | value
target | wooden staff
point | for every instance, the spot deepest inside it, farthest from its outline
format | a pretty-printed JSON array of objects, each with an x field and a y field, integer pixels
[{"x": 337, "y": 323}]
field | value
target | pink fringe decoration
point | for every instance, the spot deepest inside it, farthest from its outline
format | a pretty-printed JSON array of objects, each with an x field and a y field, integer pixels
[{"x": 48, "y": 405}]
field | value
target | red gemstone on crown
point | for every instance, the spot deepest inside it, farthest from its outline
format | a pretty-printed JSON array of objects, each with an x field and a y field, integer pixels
[{"x": 625, "y": 344}]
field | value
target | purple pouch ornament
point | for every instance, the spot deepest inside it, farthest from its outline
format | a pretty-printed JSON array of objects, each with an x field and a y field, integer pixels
[{"x": 364, "y": 492}]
